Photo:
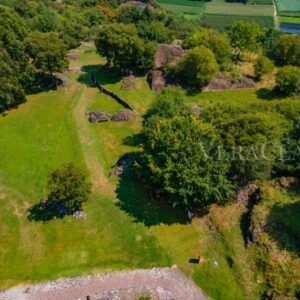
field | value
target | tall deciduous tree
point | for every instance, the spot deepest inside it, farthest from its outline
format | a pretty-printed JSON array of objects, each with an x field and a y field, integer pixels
[
  {"x": 181, "y": 159},
  {"x": 286, "y": 50},
  {"x": 11, "y": 91},
  {"x": 246, "y": 36},
  {"x": 47, "y": 51},
  {"x": 123, "y": 48}
]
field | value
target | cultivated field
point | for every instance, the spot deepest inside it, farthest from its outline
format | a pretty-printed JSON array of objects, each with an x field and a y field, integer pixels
[
  {"x": 288, "y": 5},
  {"x": 240, "y": 9},
  {"x": 219, "y": 14},
  {"x": 188, "y": 8}
]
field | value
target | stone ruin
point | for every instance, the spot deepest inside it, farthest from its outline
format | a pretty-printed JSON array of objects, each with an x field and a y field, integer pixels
[
  {"x": 167, "y": 55},
  {"x": 124, "y": 115},
  {"x": 98, "y": 116}
]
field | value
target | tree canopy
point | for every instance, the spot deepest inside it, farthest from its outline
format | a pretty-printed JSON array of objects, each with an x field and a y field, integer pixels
[
  {"x": 197, "y": 67},
  {"x": 68, "y": 185},
  {"x": 217, "y": 42},
  {"x": 47, "y": 51},
  {"x": 181, "y": 160},
  {"x": 123, "y": 48},
  {"x": 246, "y": 35}
]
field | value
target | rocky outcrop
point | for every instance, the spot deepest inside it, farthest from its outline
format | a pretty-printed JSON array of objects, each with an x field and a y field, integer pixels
[
  {"x": 98, "y": 116},
  {"x": 221, "y": 82},
  {"x": 158, "y": 80},
  {"x": 124, "y": 115},
  {"x": 167, "y": 55}
]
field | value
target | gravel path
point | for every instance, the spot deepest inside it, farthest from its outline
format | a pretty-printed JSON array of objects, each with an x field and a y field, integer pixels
[{"x": 158, "y": 283}]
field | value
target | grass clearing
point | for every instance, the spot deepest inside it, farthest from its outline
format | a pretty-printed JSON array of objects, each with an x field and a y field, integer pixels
[{"x": 123, "y": 230}]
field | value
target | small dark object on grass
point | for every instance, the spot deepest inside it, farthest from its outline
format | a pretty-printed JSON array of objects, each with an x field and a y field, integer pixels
[{"x": 194, "y": 261}]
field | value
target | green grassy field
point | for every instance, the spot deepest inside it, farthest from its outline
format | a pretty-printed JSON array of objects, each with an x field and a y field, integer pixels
[
  {"x": 293, "y": 20},
  {"x": 123, "y": 230}
]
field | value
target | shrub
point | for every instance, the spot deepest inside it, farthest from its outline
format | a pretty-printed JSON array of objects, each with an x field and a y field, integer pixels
[
  {"x": 68, "y": 185},
  {"x": 288, "y": 80},
  {"x": 197, "y": 67},
  {"x": 262, "y": 66}
]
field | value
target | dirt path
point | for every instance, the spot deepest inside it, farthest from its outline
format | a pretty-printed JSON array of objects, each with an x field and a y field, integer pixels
[
  {"x": 87, "y": 140},
  {"x": 158, "y": 283}
]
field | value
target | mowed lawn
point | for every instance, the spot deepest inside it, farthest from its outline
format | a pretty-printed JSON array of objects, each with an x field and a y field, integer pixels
[{"x": 123, "y": 230}]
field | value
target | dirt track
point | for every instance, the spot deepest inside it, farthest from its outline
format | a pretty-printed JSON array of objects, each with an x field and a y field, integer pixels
[{"x": 158, "y": 283}]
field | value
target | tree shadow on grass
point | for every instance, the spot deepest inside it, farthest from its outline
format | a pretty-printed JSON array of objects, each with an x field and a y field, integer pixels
[
  {"x": 47, "y": 211},
  {"x": 134, "y": 200},
  {"x": 269, "y": 94},
  {"x": 283, "y": 225},
  {"x": 44, "y": 83},
  {"x": 102, "y": 73}
]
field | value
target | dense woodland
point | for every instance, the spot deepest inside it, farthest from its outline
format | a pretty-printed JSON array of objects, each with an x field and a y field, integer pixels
[{"x": 190, "y": 159}]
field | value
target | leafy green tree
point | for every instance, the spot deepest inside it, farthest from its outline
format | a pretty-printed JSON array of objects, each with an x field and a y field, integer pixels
[
  {"x": 197, "y": 67},
  {"x": 15, "y": 68},
  {"x": 289, "y": 164},
  {"x": 169, "y": 104},
  {"x": 288, "y": 80},
  {"x": 123, "y": 48},
  {"x": 11, "y": 91},
  {"x": 128, "y": 14},
  {"x": 262, "y": 66},
  {"x": 48, "y": 51},
  {"x": 217, "y": 42},
  {"x": 246, "y": 36},
  {"x": 180, "y": 158},
  {"x": 286, "y": 50},
  {"x": 68, "y": 185},
  {"x": 251, "y": 137},
  {"x": 155, "y": 31}
]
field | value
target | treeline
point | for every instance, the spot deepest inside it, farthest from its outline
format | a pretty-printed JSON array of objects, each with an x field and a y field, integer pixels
[
  {"x": 35, "y": 36},
  {"x": 195, "y": 160}
]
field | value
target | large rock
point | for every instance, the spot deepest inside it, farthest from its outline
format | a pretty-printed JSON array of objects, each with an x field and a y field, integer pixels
[
  {"x": 167, "y": 55},
  {"x": 124, "y": 115},
  {"x": 158, "y": 81},
  {"x": 98, "y": 116},
  {"x": 221, "y": 82}
]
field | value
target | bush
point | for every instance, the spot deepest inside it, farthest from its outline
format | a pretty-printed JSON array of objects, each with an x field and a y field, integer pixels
[
  {"x": 288, "y": 80},
  {"x": 262, "y": 66},
  {"x": 197, "y": 67},
  {"x": 286, "y": 50},
  {"x": 68, "y": 185}
]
